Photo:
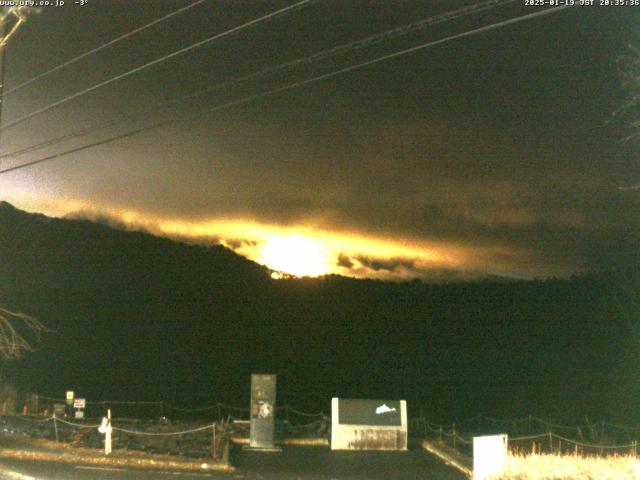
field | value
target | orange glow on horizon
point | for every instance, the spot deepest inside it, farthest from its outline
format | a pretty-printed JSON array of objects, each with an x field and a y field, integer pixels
[
  {"x": 295, "y": 255},
  {"x": 300, "y": 250}
]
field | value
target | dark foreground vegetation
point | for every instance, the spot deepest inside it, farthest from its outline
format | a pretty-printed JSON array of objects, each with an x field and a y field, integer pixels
[{"x": 142, "y": 318}]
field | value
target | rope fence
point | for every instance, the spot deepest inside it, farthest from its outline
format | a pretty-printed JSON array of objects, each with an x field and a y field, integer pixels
[
  {"x": 163, "y": 408},
  {"x": 525, "y": 433},
  {"x": 547, "y": 440}
]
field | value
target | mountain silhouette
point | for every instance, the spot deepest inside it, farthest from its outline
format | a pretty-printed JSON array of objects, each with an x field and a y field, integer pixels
[{"x": 136, "y": 317}]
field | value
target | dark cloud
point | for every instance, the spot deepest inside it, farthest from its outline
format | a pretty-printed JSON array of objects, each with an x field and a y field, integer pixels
[
  {"x": 475, "y": 144},
  {"x": 235, "y": 243},
  {"x": 390, "y": 265},
  {"x": 102, "y": 218},
  {"x": 344, "y": 261}
]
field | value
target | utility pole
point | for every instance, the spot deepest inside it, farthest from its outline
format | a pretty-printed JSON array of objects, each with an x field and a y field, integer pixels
[{"x": 10, "y": 20}]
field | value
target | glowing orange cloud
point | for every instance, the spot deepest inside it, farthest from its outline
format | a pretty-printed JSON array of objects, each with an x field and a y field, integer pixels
[{"x": 298, "y": 250}]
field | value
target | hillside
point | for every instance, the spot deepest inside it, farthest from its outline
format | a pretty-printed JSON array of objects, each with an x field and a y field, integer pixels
[{"x": 139, "y": 317}]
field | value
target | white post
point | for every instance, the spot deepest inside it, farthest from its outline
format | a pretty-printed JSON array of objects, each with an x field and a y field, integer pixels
[
  {"x": 489, "y": 455},
  {"x": 105, "y": 428},
  {"x": 107, "y": 440}
]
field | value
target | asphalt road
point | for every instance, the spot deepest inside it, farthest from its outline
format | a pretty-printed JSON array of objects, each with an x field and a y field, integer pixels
[{"x": 295, "y": 463}]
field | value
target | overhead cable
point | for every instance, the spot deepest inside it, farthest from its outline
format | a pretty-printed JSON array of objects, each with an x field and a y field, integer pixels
[
  {"x": 102, "y": 47},
  {"x": 164, "y": 58},
  {"x": 322, "y": 55},
  {"x": 300, "y": 83}
]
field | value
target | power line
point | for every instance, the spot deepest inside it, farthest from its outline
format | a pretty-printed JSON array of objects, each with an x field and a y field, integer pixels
[
  {"x": 362, "y": 43},
  {"x": 84, "y": 147},
  {"x": 155, "y": 62},
  {"x": 4, "y": 40},
  {"x": 300, "y": 83},
  {"x": 102, "y": 47},
  {"x": 322, "y": 55}
]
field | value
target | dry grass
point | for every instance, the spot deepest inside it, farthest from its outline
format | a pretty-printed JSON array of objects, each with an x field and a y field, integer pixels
[
  {"x": 569, "y": 467},
  {"x": 25, "y": 448}
]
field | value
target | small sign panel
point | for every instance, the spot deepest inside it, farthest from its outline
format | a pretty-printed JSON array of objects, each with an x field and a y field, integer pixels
[
  {"x": 358, "y": 424},
  {"x": 70, "y": 397},
  {"x": 59, "y": 409},
  {"x": 263, "y": 406},
  {"x": 79, "y": 413},
  {"x": 79, "y": 403}
]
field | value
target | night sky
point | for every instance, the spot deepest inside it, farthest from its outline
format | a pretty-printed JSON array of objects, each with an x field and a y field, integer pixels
[{"x": 497, "y": 153}]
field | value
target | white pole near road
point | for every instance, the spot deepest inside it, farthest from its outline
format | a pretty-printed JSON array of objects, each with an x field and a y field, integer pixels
[
  {"x": 107, "y": 439},
  {"x": 106, "y": 429}
]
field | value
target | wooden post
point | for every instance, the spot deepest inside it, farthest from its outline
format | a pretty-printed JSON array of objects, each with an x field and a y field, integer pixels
[
  {"x": 576, "y": 452},
  {"x": 108, "y": 436},
  {"x": 453, "y": 428},
  {"x": 55, "y": 426},
  {"x": 213, "y": 443},
  {"x": 550, "y": 442}
]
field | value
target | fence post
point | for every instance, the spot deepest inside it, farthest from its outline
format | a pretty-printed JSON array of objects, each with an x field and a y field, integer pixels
[
  {"x": 55, "y": 426},
  {"x": 213, "y": 443},
  {"x": 440, "y": 434},
  {"x": 453, "y": 428},
  {"x": 576, "y": 453},
  {"x": 550, "y": 442}
]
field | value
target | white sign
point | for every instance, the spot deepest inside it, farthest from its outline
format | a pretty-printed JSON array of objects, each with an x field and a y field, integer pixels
[
  {"x": 79, "y": 413},
  {"x": 69, "y": 397},
  {"x": 79, "y": 403},
  {"x": 489, "y": 455}
]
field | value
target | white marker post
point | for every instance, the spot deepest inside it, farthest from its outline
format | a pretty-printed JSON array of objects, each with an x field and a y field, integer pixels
[{"x": 105, "y": 428}]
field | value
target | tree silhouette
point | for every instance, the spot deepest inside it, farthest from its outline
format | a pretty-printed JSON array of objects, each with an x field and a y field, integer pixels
[
  {"x": 629, "y": 112},
  {"x": 18, "y": 333},
  {"x": 629, "y": 67}
]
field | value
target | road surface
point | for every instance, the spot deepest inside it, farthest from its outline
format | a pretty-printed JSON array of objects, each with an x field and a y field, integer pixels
[{"x": 295, "y": 463}]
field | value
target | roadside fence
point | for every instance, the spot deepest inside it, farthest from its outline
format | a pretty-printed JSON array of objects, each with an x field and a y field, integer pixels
[
  {"x": 532, "y": 434},
  {"x": 43, "y": 405}
]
